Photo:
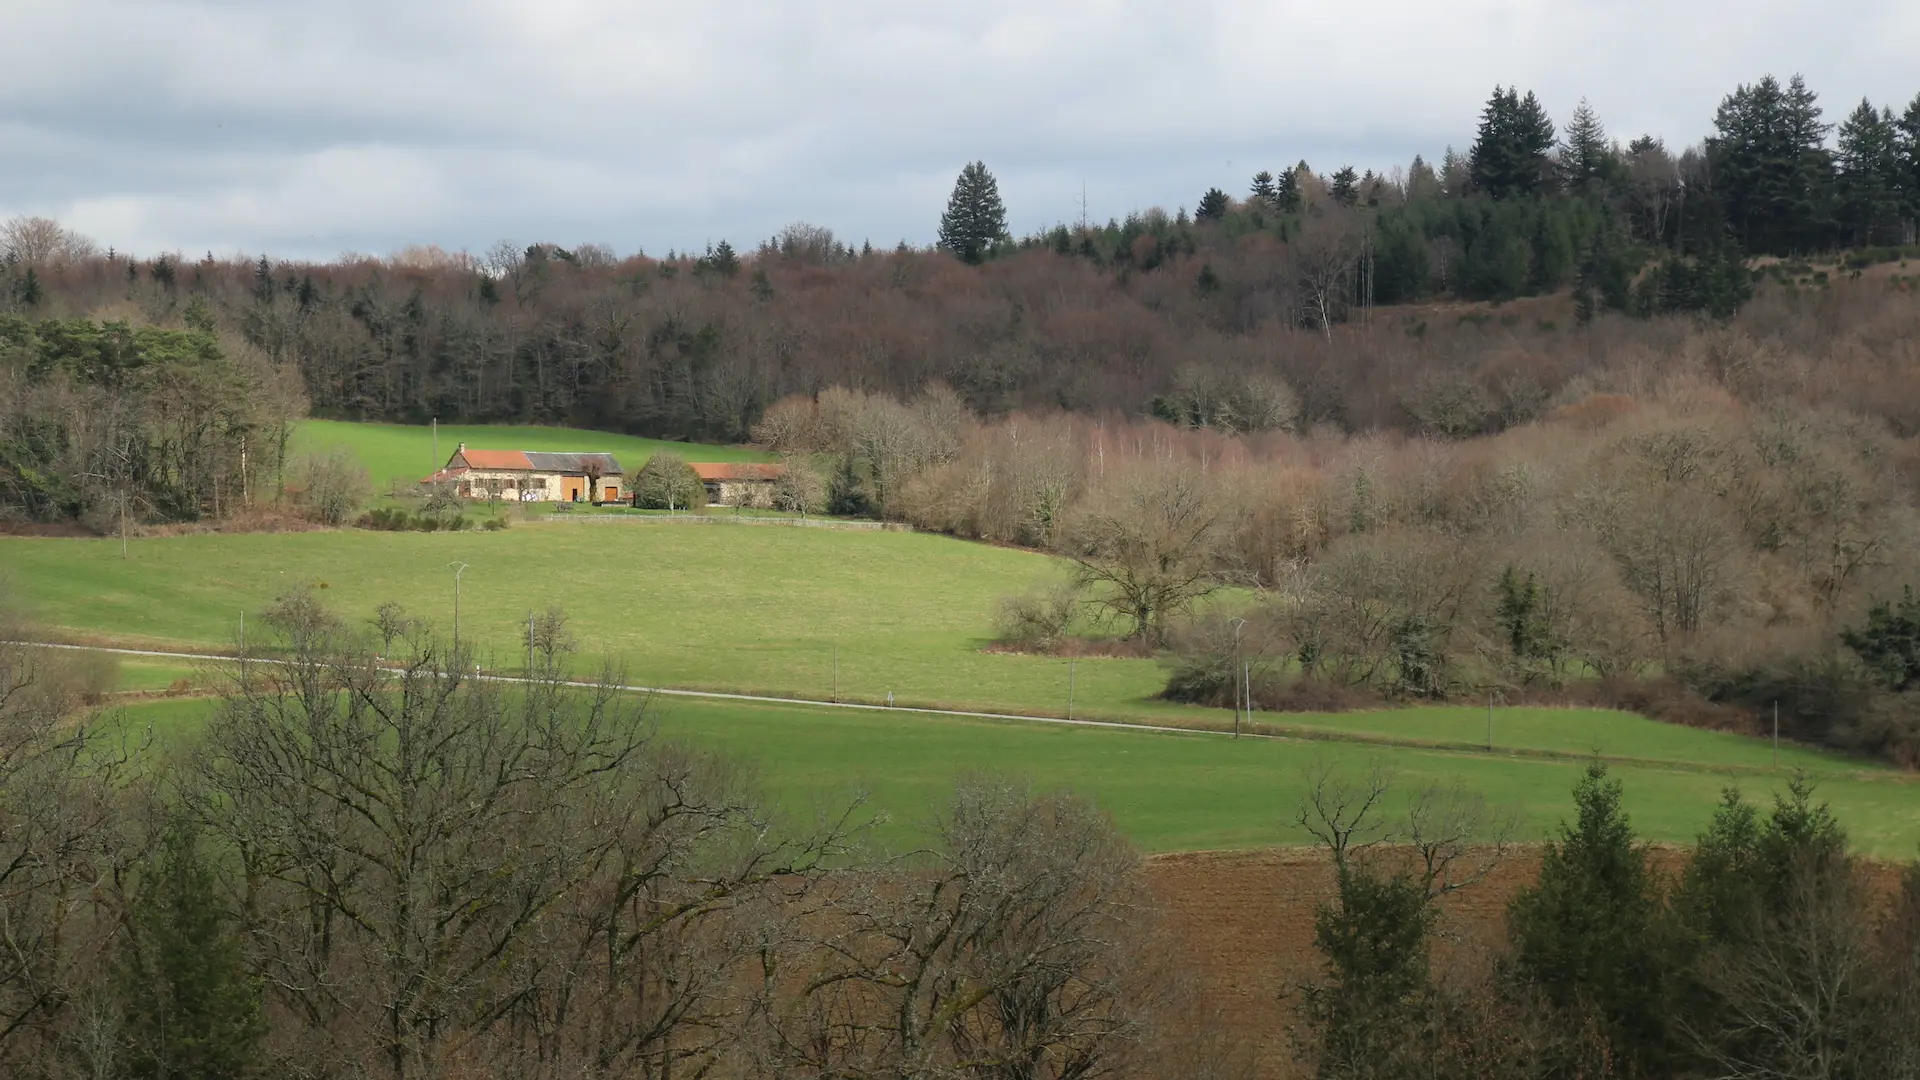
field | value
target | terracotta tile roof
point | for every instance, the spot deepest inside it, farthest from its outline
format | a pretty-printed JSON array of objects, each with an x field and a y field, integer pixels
[
  {"x": 736, "y": 470},
  {"x": 496, "y": 459}
]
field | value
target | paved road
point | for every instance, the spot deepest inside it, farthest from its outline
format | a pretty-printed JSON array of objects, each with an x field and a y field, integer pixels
[{"x": 715, "y": 695}]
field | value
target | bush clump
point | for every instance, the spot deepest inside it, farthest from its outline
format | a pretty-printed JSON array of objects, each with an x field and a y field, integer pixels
[
  {"x": 1036, "y": 620},
  {"x": 667, "y": 482},
  {"x": 397, "y": 519},
  {"x": 800, "y": 490}
]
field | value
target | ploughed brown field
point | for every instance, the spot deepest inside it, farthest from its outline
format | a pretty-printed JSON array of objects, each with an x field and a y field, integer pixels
[{"x": 1244, "y": 922}]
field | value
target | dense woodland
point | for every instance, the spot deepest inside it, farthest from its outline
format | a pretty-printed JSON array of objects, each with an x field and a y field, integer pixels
[
  {"x": 1084, "y": 317},
  {"x": 365, "y": 869}
]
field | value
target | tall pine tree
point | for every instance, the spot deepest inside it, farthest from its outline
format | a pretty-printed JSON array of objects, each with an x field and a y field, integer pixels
[
  {"x": 1212, "y": 207},
  {"x": 976, "y": 219},
  {"x": 1263, "y": 187},
  {"x": 1870, "y": 180},
  {"x": 1587, "y": 159},
  {"x": 1509, "y": 156},
  {"x": 1771, "y": 167},
  {"x": 1907, "y": 131},
  {"x": 1422, "y": 183},
  {"x": 1286, "y": 189},
  {"x": 1344, "y": 186},
  {"x": 1587, "y": 932}
]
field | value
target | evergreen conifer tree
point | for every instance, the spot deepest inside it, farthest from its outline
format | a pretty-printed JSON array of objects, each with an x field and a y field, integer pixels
[
  {"x": 263, "y": 281},
  {"x": 723, "y": 260},
  {"x": 1870, "y": 177},
  {"x": 1286, "y": 189},
  {"x": 1344, "y": 186},
  {"x": 1587, "y": 932},
  {"x": 191, "y": 1008},
  {"x": 1213, "y": 206},
  {"x": 1907, "y": 132},
  {"x": 976, "y": 219},
  {"x": 1586, "y": 156},
  {"x": 1422, "y": 182},
  {"x": 1456, "y": 174},
  {"x": 1509, "y": 156},
  {"x": 1771, "y": 169},
  {"x": 1263, "y": 187}
]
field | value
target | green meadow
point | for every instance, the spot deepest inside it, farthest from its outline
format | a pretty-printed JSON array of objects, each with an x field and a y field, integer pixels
[
  {"x": 807, "y": 613},
  {"x": 866, "y": 616},
  {"x": 1167, "y": 792},
  {"x": 411, "y": 451}
]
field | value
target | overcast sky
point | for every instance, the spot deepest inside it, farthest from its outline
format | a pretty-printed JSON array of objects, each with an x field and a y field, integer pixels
[{"x": 306, "y": 129}]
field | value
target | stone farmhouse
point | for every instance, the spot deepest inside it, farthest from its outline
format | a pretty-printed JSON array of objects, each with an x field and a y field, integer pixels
[
  {"x": 738, "y": 483},
  {"x": 531, "y": 475}
]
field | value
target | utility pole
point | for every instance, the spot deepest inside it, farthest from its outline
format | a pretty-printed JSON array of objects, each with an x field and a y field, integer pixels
[
  {"x": 836, "y": 672},
  {"x": 529, "y": 645},
  {"x": 1240, "y": 691},
  {"x": 436, "y": 444},
  {"x": 1069, "y": 688},
  {"x": 1246, "y": 684},
  {"x": 458, "y": 568},
  {"x": 1489, "y": 720}
]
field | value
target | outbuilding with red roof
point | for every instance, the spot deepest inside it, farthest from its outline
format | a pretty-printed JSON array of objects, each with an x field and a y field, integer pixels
[{"x": 531, "y": 475}]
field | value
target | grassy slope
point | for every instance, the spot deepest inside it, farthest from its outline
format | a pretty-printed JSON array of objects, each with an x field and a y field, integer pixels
[
  {"x": 400, "y": 450},
  {"x": 740, "y": 609},
  {"x": 1170, "y": 792}
]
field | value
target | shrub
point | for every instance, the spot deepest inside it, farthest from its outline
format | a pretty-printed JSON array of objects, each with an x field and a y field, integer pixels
[
  {"x": 336, "y": 485},
  {"x": 800, "y": 490},
  {"x": 667, "y": 482},
  {"x": 1036, "y": 619}
]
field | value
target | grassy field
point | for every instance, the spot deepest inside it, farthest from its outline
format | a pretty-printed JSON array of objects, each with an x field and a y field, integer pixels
[
  {"x": 408, "y": 451},
  {"x": 1169, "y": 792},
  {"x": 868, "y": 616},
  {"x": 144, "y": 675},
  {"x": 795, "y": 612}
]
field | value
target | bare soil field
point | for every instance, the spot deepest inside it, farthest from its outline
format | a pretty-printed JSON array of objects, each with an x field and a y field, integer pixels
[{"x": 1244, "y": 919}]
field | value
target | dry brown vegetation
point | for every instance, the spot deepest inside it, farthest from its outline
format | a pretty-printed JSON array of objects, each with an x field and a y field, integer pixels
[{"x": 1700, "y": 508}]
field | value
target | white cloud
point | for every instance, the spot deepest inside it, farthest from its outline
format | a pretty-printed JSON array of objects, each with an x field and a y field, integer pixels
[{"x": 267, "y": 125}]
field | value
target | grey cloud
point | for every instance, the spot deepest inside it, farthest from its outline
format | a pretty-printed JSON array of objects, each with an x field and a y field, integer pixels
[{"x": 303, "y": 130}]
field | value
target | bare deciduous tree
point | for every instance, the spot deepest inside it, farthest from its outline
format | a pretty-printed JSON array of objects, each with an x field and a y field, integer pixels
[
  {"x": 1149, "y": 543},
  {"x": 42, "y": 241},
  {"x": 1794, "y": 996},
  {"x": 1010, "y": 956},
  {"x": 402, "y": 834},
  {"x": 1324, "y": 258},
  {"x": 57, "y": 788}
]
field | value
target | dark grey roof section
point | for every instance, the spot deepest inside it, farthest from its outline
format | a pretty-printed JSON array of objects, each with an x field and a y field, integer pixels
[{"x": 571, "y": 463}]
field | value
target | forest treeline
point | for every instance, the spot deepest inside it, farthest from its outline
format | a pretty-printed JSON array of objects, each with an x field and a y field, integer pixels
[
  {"x": 1288, "y": 278},
  {"x": 368, "y": 867}
]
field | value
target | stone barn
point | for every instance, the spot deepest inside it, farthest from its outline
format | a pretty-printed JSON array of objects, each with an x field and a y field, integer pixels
[
  {"x": 738, "y": 483},
  {"x": 532, "y": 475}
]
